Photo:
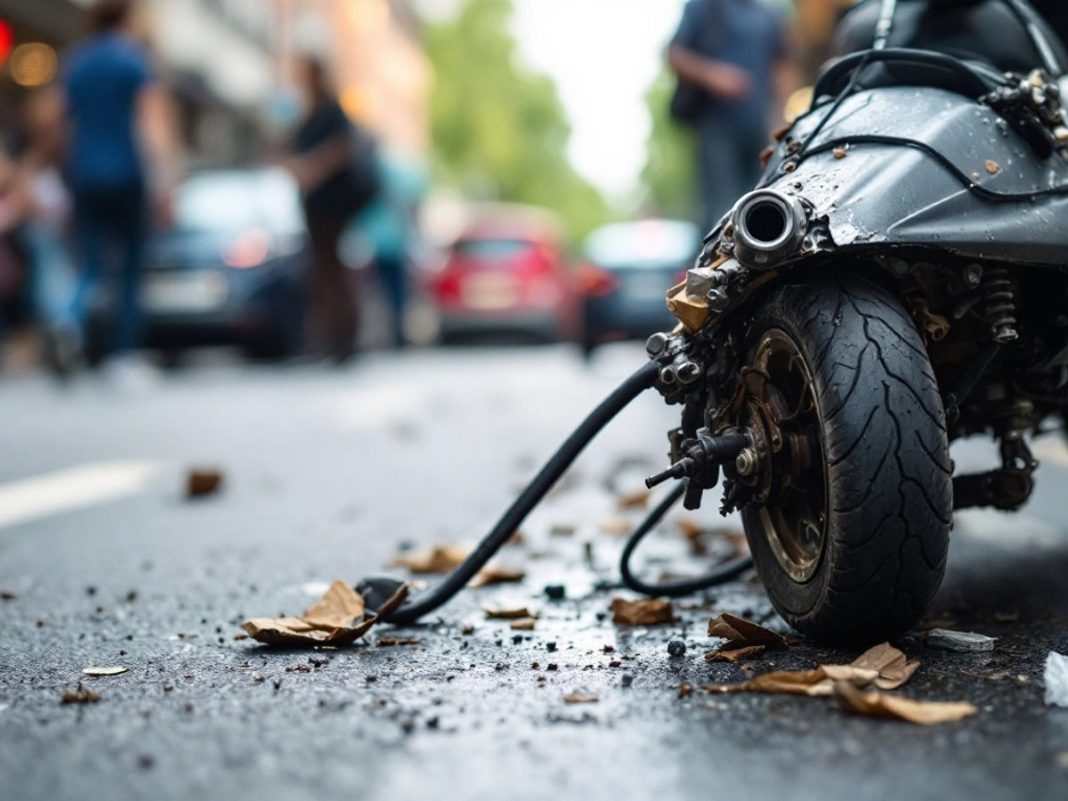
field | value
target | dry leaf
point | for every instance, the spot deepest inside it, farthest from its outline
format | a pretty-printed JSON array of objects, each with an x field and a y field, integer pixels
[
  {"x": 507, "y": 612},
  {"x": 384, "y": 641},
  {"x": 199, "y": 483},
  {"x": 733, "y": 654},
  {"x": 645, "y": 612},
  {"x": 105, "y": 671},
  {"x": 617, "y": 526},
  {"x": 79, "y": 695},
  {"x": 523, "y": 624},
  {"x": 580, "y": 698},
  {"x": 744, "y": 638},
  {"x": 437, "y": 560},
  {"x": 992, "y": 167},
  {"x": 840, "y": 153},
  {"x": 880, "y": 705},
  {"x": 338, "y": 618},
  {"x": 893, "y": 667},
  {"x": 639, "y": 499},
  {"x": 685, "y": 689},
  {"x": 496, "y": 574}
]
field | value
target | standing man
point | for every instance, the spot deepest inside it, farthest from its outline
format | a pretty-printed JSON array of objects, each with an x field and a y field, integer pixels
[
  {"x": 117, "y": 114},
  {"x": 730, "y": 57}
]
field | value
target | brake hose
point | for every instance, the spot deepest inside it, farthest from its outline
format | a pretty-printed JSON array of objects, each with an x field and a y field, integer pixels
[{"x": 673, "y": 589}]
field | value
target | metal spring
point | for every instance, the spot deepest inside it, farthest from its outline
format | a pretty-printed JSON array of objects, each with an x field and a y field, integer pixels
[{"x": 999, "y": 296}]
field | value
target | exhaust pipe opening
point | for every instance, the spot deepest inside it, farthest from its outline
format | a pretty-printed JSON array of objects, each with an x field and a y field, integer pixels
[{"x": 768, "y": 227}]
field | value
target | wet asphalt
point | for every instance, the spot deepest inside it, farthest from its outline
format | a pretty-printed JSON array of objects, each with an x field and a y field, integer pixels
[{"x": 329, "y": 474}]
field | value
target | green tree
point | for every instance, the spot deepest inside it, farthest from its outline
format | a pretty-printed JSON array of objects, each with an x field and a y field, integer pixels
[
  {"x": 499, "y": 130},
  {"x": 669, "y": 179}
]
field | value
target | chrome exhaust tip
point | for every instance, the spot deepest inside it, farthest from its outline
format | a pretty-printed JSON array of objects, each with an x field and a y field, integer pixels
[{"x": 768, "y": 228}]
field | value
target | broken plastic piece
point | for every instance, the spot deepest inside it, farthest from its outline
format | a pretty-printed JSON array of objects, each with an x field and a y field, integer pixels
[{"x": 1056, "y": 679}]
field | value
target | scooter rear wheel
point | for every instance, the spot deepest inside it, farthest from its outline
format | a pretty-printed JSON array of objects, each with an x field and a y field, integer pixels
[{"x": 851, "y": 527}]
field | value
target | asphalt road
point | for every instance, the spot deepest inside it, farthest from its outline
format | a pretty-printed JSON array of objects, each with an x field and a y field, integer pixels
[{"x": 327, "y": 475}]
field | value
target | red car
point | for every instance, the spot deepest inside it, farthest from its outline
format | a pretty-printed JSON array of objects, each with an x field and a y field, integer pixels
[{"x": 507, "y": 273}]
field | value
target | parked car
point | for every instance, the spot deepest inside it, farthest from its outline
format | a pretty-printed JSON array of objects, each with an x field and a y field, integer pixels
[
  {"x": 232, "y": 270},
  {"x": 627, "y": 271},
  {"x": 508, "y": 273}
]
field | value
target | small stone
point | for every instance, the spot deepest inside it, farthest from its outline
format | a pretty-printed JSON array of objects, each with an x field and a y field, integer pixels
[
  {"x": 676, "y": 648},
  {"x": 626, "y": 679},
  {"x": 552, "y": 666},
  {"x": 555, "y": 592},
  {"x": 550, "y": 647},
  {"x": 960, "y": 641}
]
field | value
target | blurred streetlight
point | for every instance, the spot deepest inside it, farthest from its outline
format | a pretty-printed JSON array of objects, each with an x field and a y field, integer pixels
[{"x": 33, "y": 64}]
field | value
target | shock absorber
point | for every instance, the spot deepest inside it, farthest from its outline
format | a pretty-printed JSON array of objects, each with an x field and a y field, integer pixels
[{"x": 999, "y": 297}]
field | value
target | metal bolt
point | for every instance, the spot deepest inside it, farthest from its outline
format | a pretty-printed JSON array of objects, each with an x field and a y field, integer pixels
[
  {"x": 688, "y": 372},
  {"x": 656, "y": 344},
  {"x": 973, "y": 275},
  {"x": 667, "y": 375},
  {"x": 747, "y": 462}
]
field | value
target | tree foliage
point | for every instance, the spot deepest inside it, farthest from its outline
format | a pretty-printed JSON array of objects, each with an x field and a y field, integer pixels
[
  {"x": 669, "y": 178},
  {"x": 499, "y": 130}
]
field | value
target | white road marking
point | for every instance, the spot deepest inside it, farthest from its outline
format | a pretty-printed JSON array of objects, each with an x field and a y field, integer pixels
[{"x": 29, "y": 499}]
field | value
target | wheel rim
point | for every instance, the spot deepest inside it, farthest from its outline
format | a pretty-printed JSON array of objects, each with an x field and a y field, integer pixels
[{"x": 793, "y": 511}]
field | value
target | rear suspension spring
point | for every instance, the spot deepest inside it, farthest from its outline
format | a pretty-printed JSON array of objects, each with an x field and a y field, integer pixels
[{"x": 1000, "y": 303}]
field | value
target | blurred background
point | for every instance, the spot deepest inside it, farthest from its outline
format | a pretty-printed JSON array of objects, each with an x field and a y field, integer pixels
[{"x": 529, "y": 182}]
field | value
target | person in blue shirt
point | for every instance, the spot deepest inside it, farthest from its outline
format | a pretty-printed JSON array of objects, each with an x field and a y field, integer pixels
[
  {"x": 731, "y": 55},
  {"x": 115, "y": 111}
]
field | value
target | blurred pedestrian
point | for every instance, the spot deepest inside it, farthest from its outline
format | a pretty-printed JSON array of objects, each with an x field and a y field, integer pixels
[
  {"x": 731, "y": 60},
  {"x": 119, "y": 139},
  {"x": 334, "y": 164},
  {"x": 388, "y": 226}
]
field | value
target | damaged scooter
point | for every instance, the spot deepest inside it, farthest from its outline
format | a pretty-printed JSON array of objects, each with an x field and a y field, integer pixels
[{"x": 896, "y": 281}]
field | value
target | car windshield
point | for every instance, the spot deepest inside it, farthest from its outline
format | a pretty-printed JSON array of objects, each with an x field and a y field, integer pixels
[
  {"x": 230, "y": 202},
  {"x": 644, "y": 244}
]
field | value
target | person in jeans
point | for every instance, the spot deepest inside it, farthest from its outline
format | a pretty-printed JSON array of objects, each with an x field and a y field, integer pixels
[
  {"x": 114, "y": 108},
  {"x": 734, "y": 53}
]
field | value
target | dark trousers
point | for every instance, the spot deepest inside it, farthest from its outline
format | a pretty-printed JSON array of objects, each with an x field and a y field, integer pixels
[
  {"x": 110, "y": 228},
  {"x": 393, "y": 276},
  {"x": 729, "y": 163},
  {"x": 334, "y": 310}
]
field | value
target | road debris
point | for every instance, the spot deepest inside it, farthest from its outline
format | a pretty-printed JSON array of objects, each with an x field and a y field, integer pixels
[
  {"x": 644, "y": 612},
  {"x": 555, "y": 592},
  {"x": 1055, "y": 679},
  {"x": 744, "y": 638},
  {"x": 618, "y": 527},
  {"x": 638, "y": 499},
  {"x": 523, "y": 624},
  {"x": 79, "y": 695},
  {"x": 507, "y": 612},
  {"x": 338, "y": 618},
  {"x": 442, "y": 559},
  {"x": 580, "y": 698},
  {"x": 113, "y": 670},
  {"x": 960, "y": 641},
  {"x": 200, "y": 482},
  {"x": 883, "y": 666},
  {"x": 497, "y": 574},
  {"x": 685, "y": 689},
  {"x": 892, "y": 707},
  {"x": 992, "y": 167},
  {"x": 7, "y": 595},
  {"x": 676, "y": 648},
  {"x": 388, "y": 641}
]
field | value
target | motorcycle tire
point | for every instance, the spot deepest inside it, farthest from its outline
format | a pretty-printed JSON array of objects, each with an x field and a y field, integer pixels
[{"x": 864, "y": 568}]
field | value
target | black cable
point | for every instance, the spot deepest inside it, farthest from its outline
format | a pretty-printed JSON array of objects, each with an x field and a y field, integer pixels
[
  {"x": 673, "y": 589},
  {"x": 544, "y": 481}
]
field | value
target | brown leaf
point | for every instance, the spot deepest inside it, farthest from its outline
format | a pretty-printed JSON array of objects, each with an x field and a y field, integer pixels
[
  {"x": 685, "y": 689},
  {"x": 644, "y": 612},
  {"x": 435, "y": 560},
  {"x": 817, "y": 682},
  {"x": 386, "y": 641},
  {"x": 617, "y": 526},
  {"x": 893, "y": 667},
  {"x": 507, "y": 612},
  {"x": 338, "y": 618},
  {"x": 742, "y": 636},
  {"x": 733, "y": 654},
  {"x": 638, "y": 499},
  {"x": 496, "y": 574},
  {"x": 79, "y": 695},
  {"x": 892, "y": 707},
  {"x": 200, "y": 483},
  {"x": 580, "y": 698},
  {"x": 523, "y": 624}
]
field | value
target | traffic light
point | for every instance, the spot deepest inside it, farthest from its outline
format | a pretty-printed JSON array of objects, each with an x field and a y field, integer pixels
[{"x": 7, "y": 40}]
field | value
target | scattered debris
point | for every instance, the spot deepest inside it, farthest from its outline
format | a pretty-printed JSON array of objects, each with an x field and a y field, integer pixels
[
  {"x": 561, "y": 530},
  {"x": 638, "y": 499},
  {"x": 744, "y": 638},
  {"x": 200, "y": 483},
  {"x": 497, "y": 574},
  {"x": 523, "y": 624},
  {"x": 992, "y": 167},
  {"x": 1055, "y": 679},
  {"x": 507, "y": 612},
  {"x": 79, "y": 695},
  {"x": 618, "y": 526},
  {"x": 892, "y": 707},
  {"x": 676, "y": 648},
  {"x": 7, "y": 595},
  {"x": 685, "y": 689},
  {"x": 555, "y": 592},
  {"x": 644, "y": 612},
  {"x": 338, "y": 618},
  {"x": 884, "y": 666},
  {"x": 840, "y": 153},
  {"x": 960, "y": 641},
  {"x": 580, "y": 698},
  {"x": 436, "y": 560},
  {"x": 114, "y": 670},
  {"x": 387, "y": 641}
]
